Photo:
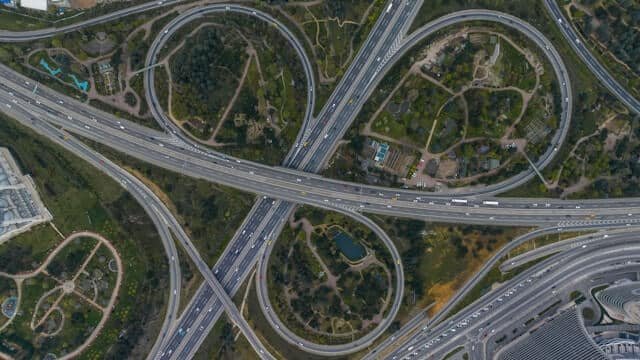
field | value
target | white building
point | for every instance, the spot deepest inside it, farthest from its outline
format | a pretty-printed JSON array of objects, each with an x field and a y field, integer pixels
[
  {"x": 34, "y": 4},
  {"x": 622, "y": 301}
]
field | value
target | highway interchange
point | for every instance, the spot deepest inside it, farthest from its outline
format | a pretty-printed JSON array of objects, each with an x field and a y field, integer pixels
[{"x": 281, "y": 187}]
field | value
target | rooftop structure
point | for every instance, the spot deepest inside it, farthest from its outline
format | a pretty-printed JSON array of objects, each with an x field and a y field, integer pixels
[
  {"x": 20, "y": 205},
  {"x": 34, "y": 4},
  {"x": 382, "y": 152},
  {"x": 621, "y": 348},
  {"x": 564, "y": 337},
  {"x": 622, "y": 301}
]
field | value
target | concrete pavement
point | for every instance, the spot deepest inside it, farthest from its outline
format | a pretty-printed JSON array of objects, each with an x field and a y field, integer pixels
[{"x": 349, "y": 197}]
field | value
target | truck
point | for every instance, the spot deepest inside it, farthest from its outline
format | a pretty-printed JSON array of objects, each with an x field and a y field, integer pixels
[{"x": 459, "y": 201}]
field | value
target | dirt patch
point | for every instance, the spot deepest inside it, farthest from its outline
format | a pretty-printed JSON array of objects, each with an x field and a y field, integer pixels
[
  {"x": 82, "y": 4},
  {"x": 447, "y": 168}
]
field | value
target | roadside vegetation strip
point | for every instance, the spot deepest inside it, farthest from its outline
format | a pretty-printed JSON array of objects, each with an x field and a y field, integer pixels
[
  {"x": 17, "y": 36},
  {"x": 612, "y": 29}
]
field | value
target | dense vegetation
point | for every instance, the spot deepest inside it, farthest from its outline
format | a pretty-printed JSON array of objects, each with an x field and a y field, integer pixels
[
  {"x": 205, "y": 73},
  {"x": 616, "y": 25}
]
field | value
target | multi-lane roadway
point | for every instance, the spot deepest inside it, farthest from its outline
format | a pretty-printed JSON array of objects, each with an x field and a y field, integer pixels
[
  {"x": 198, "y": 13},
  {"x": 172, "y": 153},
  {"x": 165, "y": 223},
  {"x": 520, "y": 298},
  {"x": 383, "y": 47}
]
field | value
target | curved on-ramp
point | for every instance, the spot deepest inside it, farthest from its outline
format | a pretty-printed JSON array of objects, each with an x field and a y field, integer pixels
[
  {"x": 155, "y": 209},
  {"x": 588, "y": 58},
  {"x": 199, "y": 12},
  {"x": 342, "y": 349},
  {"x": 547, "y": 49}
]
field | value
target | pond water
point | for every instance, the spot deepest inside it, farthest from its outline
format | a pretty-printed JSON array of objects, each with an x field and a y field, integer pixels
[{"x": 352, "y": 249}]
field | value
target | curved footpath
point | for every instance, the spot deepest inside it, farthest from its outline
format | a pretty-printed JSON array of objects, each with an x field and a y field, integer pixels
[
  {"x": 507, "y": 20},
  {"x": 143, "y": 195},
  {"x": 198, "y": 12}
]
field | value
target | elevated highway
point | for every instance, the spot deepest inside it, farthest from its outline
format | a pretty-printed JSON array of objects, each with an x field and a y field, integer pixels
[{"x": 384, "y": 46}]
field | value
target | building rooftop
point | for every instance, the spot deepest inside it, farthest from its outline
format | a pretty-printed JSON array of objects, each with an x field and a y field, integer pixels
[
  {"x": 34, "y": 4},
  {"x": 564, "y": 337},
  {"x": 20, "y": 205}
]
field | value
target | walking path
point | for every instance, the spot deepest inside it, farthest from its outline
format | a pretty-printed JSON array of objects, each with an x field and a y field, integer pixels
[{"x": 69, "y": 288}]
